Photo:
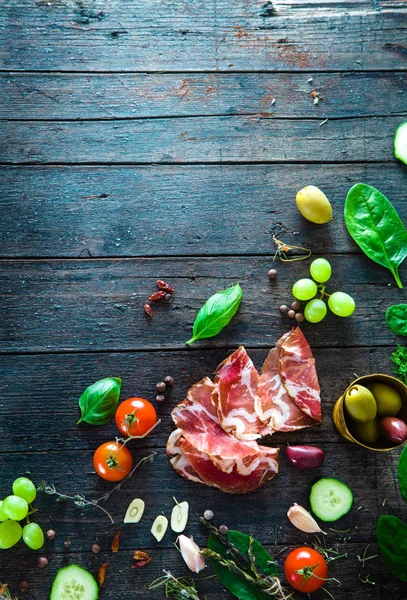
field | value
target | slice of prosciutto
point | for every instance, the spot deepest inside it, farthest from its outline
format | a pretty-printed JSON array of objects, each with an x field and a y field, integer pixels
[
  {"x": 298, "y": 373},
  {"x": 234, "y": 396},
  {"x": 233, "y": 482},
  {"x": 197, "y": 417},
  {"x": 178, "y": 458},
  {"x": 273, "y": 404}
]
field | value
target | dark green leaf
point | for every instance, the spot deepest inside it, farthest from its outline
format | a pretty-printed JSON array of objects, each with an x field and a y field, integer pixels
[
  {"x": 399, "y": 358},
  {"x": 216, "y": 313},
  {"x": 98, "y": 402},
  {"x": 236, "y": 584},
  {"x": 396, "y": 318},
  {"x": 392, "y": 539},
  {"x": 376, "y": 227},
  {"x": 402, "y": 473}
]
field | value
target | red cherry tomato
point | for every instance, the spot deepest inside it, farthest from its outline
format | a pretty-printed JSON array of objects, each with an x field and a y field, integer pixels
[
  {"x": 135, "y": 416},
  {"x": 112, "y": 461},
  {"x": 305, "y": 570}
]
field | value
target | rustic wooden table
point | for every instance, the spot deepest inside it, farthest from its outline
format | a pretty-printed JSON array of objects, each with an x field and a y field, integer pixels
[{"x": 141, "y": 139}]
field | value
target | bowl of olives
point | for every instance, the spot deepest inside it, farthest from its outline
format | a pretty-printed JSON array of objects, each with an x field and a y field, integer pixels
[{"x": 372, "y": 412}]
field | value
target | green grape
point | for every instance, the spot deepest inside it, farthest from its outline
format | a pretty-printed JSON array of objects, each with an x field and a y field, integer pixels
[
  {"x": 315, "y": 311},
  {"x": 33, "y": 536},
  {"x": 320, "y": 270},
  {"x": 10, "y": 534},
  {"x": 304, "y": 289},
  {"x": 25, "y": 488},
  {"x": 3, "y": 516},
  {"x": 341, "y": 304},
  {"x": 15, "y": 508}
]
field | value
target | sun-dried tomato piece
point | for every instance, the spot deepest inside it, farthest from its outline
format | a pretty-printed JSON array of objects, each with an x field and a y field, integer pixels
[
  {"x": 102, "y": 573},
  {"x": 157, "y": 296},
  {"x": 116, "y": 541},
  {"x": 141, "y": 559},
  {"x": 163, "y": 285}
]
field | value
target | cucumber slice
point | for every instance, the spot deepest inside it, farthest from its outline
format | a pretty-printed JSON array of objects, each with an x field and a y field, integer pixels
[
  {"x": 400, "y": 143},
  {"x": 74, "y": 583},
  {"x": 330, "y": 499}
]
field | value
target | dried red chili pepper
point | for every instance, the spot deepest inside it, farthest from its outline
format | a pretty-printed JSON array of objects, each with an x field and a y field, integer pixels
[
  {"x": 148, "y": 310},
  {"x": 163, "y": 285},
  {"x": 157, "y": 296},
  {"x": 116, "y": 541},
  {"x": 102, "y": 573},
  {"x": 141, "y": 559}
]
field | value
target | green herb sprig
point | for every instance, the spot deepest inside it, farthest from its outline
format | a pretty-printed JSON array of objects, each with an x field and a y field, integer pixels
[
  {"x": 216, "y": 313},
  {"x": 399, "y": 358},
  {"x": 182, "y": 588}
]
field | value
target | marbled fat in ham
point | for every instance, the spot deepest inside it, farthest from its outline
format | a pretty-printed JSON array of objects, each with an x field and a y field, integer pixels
[{"x": 234, "y": 396}]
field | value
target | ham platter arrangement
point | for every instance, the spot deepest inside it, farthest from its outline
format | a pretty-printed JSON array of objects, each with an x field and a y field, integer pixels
[{"x": 220, "y": 422}]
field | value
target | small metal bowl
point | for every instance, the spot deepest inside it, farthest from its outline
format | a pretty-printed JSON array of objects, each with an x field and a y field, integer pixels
[{"x": 339, "y": 413}]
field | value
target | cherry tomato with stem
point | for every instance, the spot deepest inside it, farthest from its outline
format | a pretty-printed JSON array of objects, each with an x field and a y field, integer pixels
[
  {"x": 306, "y": 570},
  {"x": 112, "y": 461},
  {"x": 135, "y": 417}
]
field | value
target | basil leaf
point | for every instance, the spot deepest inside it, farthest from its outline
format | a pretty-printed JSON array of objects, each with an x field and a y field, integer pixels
[
  {"x": 237, "y": 585},
  {"x": 392, "y": 539},
  {"x": 376, "y": 227},
  {"x": 99, "y": 401},
  {"x": 402, "y": 473},
  {"x": 216, "y": 313},
  {"x": 396, "y": 318}
]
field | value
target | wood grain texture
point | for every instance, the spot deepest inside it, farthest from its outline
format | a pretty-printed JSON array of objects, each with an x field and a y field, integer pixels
[
  {"x": 55, "y": 382},
  {"x": 170, "y": 210},
  {"x": 199, "y": 139},
  {"x": 107, "y": 96},
  {"x": 98, "y": 304},
  {"x": 193, "y": 36}
]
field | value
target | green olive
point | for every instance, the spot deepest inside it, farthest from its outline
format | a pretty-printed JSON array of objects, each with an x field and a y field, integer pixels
[
  {"x": 388, "y": 400},
  {"x": 367, "y": 432},
  {"x": 360, "y": 404},
  {"x": 314, "y": 205}
]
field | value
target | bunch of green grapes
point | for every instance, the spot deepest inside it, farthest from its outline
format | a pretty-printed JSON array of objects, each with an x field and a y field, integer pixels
[
  {"x": 15, "y": 508},
  {"x": 341, "y": 304}
]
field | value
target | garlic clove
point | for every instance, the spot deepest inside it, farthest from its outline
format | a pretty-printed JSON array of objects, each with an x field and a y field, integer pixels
[
  {"x": 303, "y": 520},
  {"x": 179, "y": 517},
  {"x": 191, "y": 554},
  {"x": 159, "y": 527},
  {"x": 135, "y": 511}
]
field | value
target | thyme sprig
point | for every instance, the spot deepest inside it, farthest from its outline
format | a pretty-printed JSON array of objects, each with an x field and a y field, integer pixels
[
  {"x": 244, "y": 567},
  {"x": 330, "y": 554},
  {"x": 182, "y": 588},
  {"x": 365, "y": 558},
  {"x": 81, "y": 501},
  {"x": 366, "y": 579}
]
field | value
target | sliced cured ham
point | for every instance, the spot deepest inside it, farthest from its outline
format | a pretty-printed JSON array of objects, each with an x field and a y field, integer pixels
[
  {"x": 234, "y": 396},
  {"x": 274, "y": 405},
  {"x": 298, "y": 373},
  {"x": 233, "y": 482},
  {"x": 178, "y": 458}
]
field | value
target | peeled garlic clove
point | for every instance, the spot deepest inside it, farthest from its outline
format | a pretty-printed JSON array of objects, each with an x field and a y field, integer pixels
[
  {"x": 191, "y": 554},
  {"x": 179, "y": 517},
  {"x": 303, "y": 520},
  {"x": 159, "y": 527},
  {"x": 135, "y": 511}
]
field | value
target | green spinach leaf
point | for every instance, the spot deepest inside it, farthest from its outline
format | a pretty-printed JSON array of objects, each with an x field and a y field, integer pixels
[
  {"x": 216, "y": 313},
  {"x": 392, "y": 539},
  {"x": 376, "y": 227},
  {"x": 402, "y": 473},
  {"x": 236, "y": 584},
  {"x": 99, "y": 401},
  {"x": 396, "y": 318}
]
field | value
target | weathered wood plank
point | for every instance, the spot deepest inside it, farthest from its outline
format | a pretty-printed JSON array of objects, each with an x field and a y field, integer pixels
[
  {"x": 56, "y": 381},
  {"x": 245, "y": 35},
  {"x": 133, "y": 584},
  {"x": 106, "y": 96},
  {"x": 194, "y": 210},
  {"x": 98, "y": 304},
  {"x": 199, "y": 139}
]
